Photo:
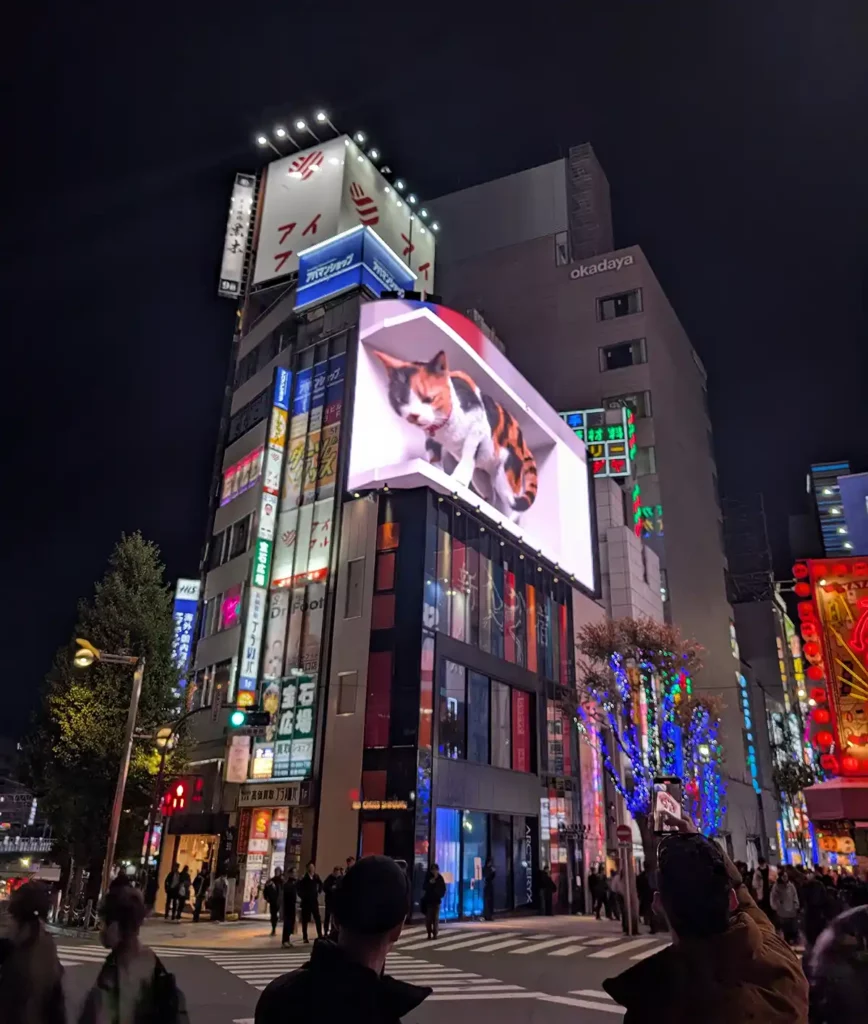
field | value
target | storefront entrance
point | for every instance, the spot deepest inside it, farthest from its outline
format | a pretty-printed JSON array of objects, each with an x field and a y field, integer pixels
[{"x": 463, "y": 842}]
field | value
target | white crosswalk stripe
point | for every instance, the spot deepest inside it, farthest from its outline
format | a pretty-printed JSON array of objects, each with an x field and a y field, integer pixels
[
  {"x": 626, "y": 947},
  {"x": 89, "y": 953},
  {"x": 448, "y": 983},
  {"x": 591, "y": 999}
]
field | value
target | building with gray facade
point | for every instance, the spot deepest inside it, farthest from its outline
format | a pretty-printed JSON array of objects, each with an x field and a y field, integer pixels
[{"x": 596, "y": 332}]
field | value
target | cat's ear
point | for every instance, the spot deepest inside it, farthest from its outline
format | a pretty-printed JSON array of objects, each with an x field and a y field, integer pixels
[
  {"x": 390, "y": 362},
  {"x": 438, "y": 364}
]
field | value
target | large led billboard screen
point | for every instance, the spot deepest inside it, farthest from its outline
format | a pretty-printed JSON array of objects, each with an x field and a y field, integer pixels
[{"x": 438, "y": 405}]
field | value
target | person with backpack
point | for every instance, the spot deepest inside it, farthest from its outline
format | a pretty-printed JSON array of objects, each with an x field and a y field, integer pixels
[
  {"x": 132, "y": 987},
  {"x": 31, "y": 988},
  {"x": 272, "y": 894},
  {"x": 346, "y": 980},
  {"x": 433, "y": 893}
]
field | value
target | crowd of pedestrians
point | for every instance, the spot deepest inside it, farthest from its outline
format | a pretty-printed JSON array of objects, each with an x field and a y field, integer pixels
[{"x": 732, "y": 958}]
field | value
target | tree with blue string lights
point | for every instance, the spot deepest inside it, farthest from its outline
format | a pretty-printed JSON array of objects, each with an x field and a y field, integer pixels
[{"x": 638, "y": 708}]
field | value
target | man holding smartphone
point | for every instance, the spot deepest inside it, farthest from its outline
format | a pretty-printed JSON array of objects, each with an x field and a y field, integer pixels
[{"x": 726, "y": 963}]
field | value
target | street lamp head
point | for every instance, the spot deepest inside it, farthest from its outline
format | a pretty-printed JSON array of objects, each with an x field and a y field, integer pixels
[
  {"x": 165, "y": 738},
  {"x": 86, "y": 653}
]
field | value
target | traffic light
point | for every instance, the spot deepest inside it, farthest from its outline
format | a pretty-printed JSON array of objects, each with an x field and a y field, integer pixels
[{"x": 238, "y": 718}]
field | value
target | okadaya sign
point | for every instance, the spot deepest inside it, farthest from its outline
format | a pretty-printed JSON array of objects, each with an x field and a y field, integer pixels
[
  {"x": 356, "y": 257},
  {"x": 601, "y": 266}
]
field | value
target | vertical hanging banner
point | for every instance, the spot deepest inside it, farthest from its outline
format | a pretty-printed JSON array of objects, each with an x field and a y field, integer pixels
[
  {"x": 237, "y": 234},
  {"x": 291, "y": 492},
  {"x": 331, "y": 426},
  {"x": 254, "y": 624},
  {"x": 184, "y": 615}
]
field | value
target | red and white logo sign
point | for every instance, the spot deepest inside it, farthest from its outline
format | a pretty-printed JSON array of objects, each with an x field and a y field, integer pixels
[
  {"x": 365, "y": 206},
  {"x": 305, "y": 166},
  {"x": 624, "y": 834}
]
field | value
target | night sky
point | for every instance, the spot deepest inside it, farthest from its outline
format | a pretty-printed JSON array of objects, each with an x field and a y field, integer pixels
[{"x": 735, "y": 142}]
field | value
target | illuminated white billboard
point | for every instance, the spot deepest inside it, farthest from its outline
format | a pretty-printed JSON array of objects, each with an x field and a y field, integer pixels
[
  {"x": 332, "y": 187},
  {"x": 438, "y": 405}
]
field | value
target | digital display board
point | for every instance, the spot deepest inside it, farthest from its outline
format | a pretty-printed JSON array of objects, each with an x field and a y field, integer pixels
[{"x": 609, "y": 435}]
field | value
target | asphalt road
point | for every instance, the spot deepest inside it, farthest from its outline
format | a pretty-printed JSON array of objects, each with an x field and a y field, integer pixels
[{"x": 515, "y": 976}]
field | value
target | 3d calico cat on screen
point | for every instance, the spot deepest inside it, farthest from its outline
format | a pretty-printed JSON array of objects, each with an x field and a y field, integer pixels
[{"x": 481, "y": 436}]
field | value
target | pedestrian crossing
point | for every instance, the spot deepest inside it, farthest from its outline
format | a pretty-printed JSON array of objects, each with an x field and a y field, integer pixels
[
  {"x": 473, "y": 939},
  {"x": 449, "y": 984},
  {"x": 91, "y": 953}
]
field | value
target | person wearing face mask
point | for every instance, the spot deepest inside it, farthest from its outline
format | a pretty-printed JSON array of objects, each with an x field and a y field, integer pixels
[{"x": 132, "y": 987}]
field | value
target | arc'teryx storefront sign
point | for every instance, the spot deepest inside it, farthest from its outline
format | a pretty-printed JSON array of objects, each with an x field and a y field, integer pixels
[
  {"x": 356, "y": 257},
  {"x": 601, "y": 266}
]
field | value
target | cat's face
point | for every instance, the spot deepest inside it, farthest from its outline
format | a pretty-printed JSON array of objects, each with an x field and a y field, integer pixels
[{"x": 419, "y": 392}]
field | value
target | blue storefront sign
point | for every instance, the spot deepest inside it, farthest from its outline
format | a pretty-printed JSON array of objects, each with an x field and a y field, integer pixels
[
  {"x": 184, "y": 616},
  {"x": 356, "y": 257}
]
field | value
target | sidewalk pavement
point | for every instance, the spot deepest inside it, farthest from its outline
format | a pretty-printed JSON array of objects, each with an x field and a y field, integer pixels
[{"x": 256, "y": 934}]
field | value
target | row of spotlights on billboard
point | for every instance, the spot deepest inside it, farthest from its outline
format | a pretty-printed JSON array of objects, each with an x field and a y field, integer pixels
[{"x": 321, "y": 117}]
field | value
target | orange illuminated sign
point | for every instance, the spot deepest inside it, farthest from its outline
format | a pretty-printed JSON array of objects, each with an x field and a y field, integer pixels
[{"x": 836, "y": 631}]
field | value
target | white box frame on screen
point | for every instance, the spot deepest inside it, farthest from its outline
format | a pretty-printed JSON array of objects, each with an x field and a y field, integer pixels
[{"x": 527, "y": 408}]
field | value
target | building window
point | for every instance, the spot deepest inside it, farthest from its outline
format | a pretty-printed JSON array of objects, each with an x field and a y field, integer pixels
[
  {"x": 501, "y": 734},
  {"x": 477, "y": 718},
  {"x": 622, "y": 304},
  {"x": 230, "y": 607},
  {"x": 664, "y": 585},
  {"x": 453, "y": 711},
  {"x": 249, "y": 415},
  {"x": 240, "y": 537},
  {"x": 646, "y": 460},
  {"x": 348, "y": 685},
  {"x": 215, "y": 549},
  {"x": 355, "y": 588},
  {"x": 639, "y": 402},
  {"x": 625, "y": 353}
]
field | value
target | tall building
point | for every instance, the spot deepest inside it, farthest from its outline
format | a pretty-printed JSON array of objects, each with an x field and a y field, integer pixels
[
  {"x": 854, "y": 503},
  {"x": 600, "y": 333},
  {"x": 398, "y": 599},
  {"x": 826, "y": 493}
]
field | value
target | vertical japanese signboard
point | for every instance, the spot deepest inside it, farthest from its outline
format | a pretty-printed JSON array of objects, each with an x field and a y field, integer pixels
[
  {"x": 237, "y": 234},
  {"x": 258, "y": 592},
  {"x": 184, "y": 615}
]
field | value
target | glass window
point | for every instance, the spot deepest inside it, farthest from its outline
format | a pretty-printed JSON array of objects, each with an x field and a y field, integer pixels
[
  {"x": 453, "y": 711},
  {"x": 447, "y": 856},
  {"x": 646, "y": 460},
  {"x": 444, "y": 568},
  {"x": 215, "y": 550},
  {"x": 501, "y": 855},
  {"x": 240, "y": 537},
  {"x": 474, "y": 825},
  {"x": 230, "y": 607},
  {"x": 485, "y": 594},
  {"x": 622, "y": 304},
  {"x": 497, "y": 606},
  {"x": 477, "y": 718},
  {"x": 458, "y": 588},
  {"x": 501, "y": 736},
  {"x": 625, "y": 353},
  {"x": 348, "y": 685}
]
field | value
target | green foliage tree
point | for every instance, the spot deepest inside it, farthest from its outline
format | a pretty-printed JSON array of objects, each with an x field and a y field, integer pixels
[{"x": 72, "y": 752}]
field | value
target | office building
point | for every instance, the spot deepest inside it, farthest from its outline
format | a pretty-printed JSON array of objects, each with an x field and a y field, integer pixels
[
  {"x": 599, "y": 333},
  {"x": 825, "y": 492},
  {"x": 853, "y": 489}
]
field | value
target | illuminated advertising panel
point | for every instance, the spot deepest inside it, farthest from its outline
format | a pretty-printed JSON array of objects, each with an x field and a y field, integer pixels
[
  {"x": 241, "y": 476},
  {"x": 313, "y": 195},
  {"x": 438, "y": 405},
  {"x": 835, "y": 629},
  {"x": 609, "y": 435},
  {"x": 254, "y": 623},
  {"x": 353, "y": 259},
  {"x": 184, "y": 617}
]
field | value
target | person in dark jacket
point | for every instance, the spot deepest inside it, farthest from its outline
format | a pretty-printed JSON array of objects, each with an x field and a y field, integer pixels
[
  {"x": 838, "y": 969},
  {"x": 31, "y": 989},
  {"x": 433, "y": 892},
  {"x": 272, "y": 894},
  {"x": 171, "y": 886},
  {"x": 727, "y": 963},
  {"x": 290, "y": 896},
  {"x": 309, "y": 888},
  {"x": 201, "y": 885},
  {"x": 151, "y": 887},
  {"x": 344, "y": 981},
  {"x": 489, "y": 873},
  {"x": 546, "y": 889},
  {"x": 132, "y": 986},
  {"x": 329, "y": 887},
  {"x": 185, "y": 887}
]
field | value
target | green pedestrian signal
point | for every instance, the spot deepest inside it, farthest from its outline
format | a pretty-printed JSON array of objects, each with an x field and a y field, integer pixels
[{"x": 239, "y": 718}]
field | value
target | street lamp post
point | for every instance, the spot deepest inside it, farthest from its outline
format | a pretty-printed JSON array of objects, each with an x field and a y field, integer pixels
[{"x": 85, "y": 656}]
